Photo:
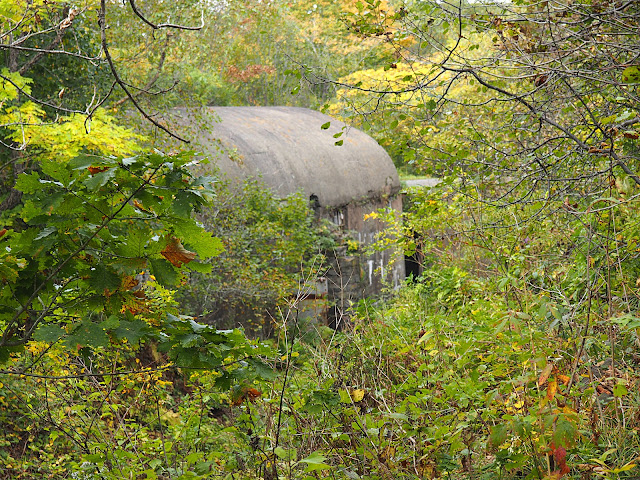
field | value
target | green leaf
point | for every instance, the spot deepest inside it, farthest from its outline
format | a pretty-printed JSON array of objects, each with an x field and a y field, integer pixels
[
  {"x": 48, "y": 333},
  {"x": 103, "y": 279},
  {"x": 110, "y": 323},
  {"x": 184, "y": 203},
  {"x": 191, "y": 340},
  {"x": 498, "y": 435},
  {"x": 45, "y": 233},
  {"x": 565, "y": 432},
  {"x": 29, "y": 183},
  {"x": 96, "y": 458},
  {"x": 325, "y": 126},
  {"x": 99, "y": 179},
  {"x": 288, "y": 454},
  {"x": 87, "y": 334},
  {"x": 197, "y": 239},
  {"x": 198, "y": 327},
  {"x": 263, "y": 370},
  {"x": 314, "y": 462},
  {"x": 57, "y": 171},
  {"x": 137, "y": 238},
  {"x": 199, "y": 267},
  {"x": 164, "y": 272},
  {"x": 134, "y": 330},
  {"x": 631, "y": 75},
  {"x": 345, "y": 397},
  {"x": 82, "y": 162},
  {"x": 5, "y": 352},
  {"x": 620, "y": 390}
]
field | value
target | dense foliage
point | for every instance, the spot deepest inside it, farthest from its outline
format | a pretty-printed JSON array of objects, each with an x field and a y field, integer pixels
[
  {"x": 273, "y": 251},
  {"x": 514, "y": 354}
]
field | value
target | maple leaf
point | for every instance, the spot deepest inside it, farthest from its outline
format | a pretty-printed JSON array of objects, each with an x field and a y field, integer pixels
[{"x": 176, "y": 253}]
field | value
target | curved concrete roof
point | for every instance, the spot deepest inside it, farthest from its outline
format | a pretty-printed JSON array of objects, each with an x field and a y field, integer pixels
[{"x": 290, "y": 150}]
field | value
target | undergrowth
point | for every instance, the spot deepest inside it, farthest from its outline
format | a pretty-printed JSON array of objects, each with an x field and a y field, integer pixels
[{"x": 446, "y": 380}]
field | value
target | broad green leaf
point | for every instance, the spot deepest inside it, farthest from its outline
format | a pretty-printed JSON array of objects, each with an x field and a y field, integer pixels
[
  {"x": 199, "y": 267},
  {"x": 45, "y": 232},
  {"x": 164, "y": 272},
  {"x": 81, "y": 162},
  {"x": 110, "y": 323},
  {"x": 184, "y": 203},
  {"x": 29, "y": 182},
  {"x": 620, "y": 390},
  {"x": 565, "y": 432},
  {"x": 289, "y": 454},
  {"x": 102, "y": 278},
  {"x": 134, "y": 330},
  {"x": 315, "y": 458},
  {"x": 136, "y": 240},
  {"x": 191, "y": 340},
  {"x": 314, "y": 462},
  {"x": 198, "y": 327},
  {"x": 631, "y": 75},
  {"x": 263, "y": 370},
  {"x": 99, "y": 179},
  {"x": 197, "y": 239},
  {"x": 498, "y": 435},
  {"x": 5, "y": 352},
  {"x": 48, "y": 333},
  {"x": 57, "y": 171},
  {"x": 87, "y": 334}
]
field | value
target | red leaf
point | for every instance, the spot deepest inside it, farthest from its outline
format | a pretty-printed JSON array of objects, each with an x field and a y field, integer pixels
[{"x": 560, "y": 456}]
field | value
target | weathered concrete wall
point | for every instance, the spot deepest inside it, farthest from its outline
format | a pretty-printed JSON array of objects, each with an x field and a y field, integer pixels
[{"x": 354, "y": 275}]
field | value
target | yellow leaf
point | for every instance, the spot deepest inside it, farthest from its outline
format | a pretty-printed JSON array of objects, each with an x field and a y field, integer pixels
[
  {"x": 357, "y": 395},
  {"x": 552, "y": 388}
]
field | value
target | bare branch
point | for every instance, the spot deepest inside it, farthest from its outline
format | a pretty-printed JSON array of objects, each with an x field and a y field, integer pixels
[
  {"x": 49, "y": 52},
  {"x": 41, "y": 53},
  {"x": 103, "y": 35},
  {"x": 164, "y": 25},
  {"x": 155, "y": 77}
]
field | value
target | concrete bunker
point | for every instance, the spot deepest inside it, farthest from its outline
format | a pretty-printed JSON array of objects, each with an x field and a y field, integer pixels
[{"x": 294, "y": 149}]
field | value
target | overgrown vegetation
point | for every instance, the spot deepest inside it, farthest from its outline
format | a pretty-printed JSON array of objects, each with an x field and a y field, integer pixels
[
  {"x": 514, "y": 354},
  {"x": 458, "y": 376},
  {"x": 272, "y": 248}
]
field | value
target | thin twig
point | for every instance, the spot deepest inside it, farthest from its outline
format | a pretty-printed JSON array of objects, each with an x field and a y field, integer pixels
[
  {"x": 103, "y": 35},
  {"x": 164, "y": 25}
]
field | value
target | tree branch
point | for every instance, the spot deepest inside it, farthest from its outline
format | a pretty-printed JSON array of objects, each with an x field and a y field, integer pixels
[
  {"x": 103, "y": 35},
  {"x": 36, "y": 58},
  {"x": 155, "y": 77},
  {"x": 163, "y": 25}
]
